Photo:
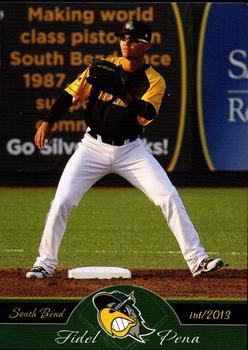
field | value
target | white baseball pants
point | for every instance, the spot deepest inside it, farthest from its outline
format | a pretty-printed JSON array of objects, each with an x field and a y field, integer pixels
[{"x": 90, "y": 162}]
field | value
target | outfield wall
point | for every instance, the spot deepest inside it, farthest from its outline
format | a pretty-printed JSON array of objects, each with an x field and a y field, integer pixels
[{"x": 201, "y": 135}]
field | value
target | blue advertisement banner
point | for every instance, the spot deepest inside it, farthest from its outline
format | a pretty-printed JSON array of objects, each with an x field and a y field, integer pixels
[{"x": 223, "y": 86}]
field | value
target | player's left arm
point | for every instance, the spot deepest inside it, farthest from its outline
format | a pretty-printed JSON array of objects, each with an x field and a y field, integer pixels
[
  {"x": 147, "y": 107},
  {"x": 153, "y": 96}
]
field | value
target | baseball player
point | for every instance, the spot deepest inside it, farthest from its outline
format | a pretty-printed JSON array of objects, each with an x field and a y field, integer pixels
[{"x": 124, "y": 96}]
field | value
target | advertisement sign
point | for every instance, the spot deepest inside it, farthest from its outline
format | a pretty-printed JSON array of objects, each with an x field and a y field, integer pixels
[
  {"x": 223, "y": 86},
  {"x": 46, "y": 46}
]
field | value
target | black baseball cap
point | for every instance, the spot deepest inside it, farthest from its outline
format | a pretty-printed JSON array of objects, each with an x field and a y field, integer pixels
[{"x": 136, "y": 29}]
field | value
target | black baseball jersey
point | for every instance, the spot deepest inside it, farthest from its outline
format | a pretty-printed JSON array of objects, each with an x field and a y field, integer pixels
[{"x": 116, "y": 118}]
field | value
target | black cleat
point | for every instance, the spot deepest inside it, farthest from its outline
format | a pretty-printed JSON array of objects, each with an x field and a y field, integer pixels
[
  {"x": 38, "y": 272},
  {"x": 207, "y": 265}
]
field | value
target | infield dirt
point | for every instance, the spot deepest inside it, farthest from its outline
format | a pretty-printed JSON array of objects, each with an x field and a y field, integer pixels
[{"x": 172, "y": 283}]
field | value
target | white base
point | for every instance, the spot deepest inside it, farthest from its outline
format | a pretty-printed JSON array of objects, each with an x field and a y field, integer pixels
[{"x": 100, "y": 272}]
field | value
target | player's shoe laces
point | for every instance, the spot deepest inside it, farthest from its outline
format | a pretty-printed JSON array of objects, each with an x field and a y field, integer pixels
[
  {"x": 38, "y": 272},
  {"x": 208, "y": 264}
]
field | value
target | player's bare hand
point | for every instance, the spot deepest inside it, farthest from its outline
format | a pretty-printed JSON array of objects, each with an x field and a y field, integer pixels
[{"x": 43, "y": 133}]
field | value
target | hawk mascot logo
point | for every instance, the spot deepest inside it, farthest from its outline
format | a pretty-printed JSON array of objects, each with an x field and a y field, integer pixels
[{"x": 119, "y": 317}]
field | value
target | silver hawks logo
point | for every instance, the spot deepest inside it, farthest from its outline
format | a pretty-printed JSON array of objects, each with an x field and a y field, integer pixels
[
  {"x": 119, "y": 317},
  {"x": 129, "y": 25}
]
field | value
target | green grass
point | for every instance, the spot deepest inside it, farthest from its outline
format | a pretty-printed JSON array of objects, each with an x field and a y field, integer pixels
[{"x": 122, "y": 227}]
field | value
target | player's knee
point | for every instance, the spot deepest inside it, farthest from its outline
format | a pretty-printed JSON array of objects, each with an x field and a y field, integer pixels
[
  {"x": 164, "y": 197},
  {"x": 62, "y": 206},
  {"x": 172, "y": 205},
  {"x": 174, "y": 199},
  {"x": 169, "y": 200}
]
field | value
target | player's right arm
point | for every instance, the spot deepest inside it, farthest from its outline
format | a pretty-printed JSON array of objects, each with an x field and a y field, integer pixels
[
  {"x": 77, "y": 90},
  {"x": 61, "y": 105},
  {"x": 43, "y": 133}
]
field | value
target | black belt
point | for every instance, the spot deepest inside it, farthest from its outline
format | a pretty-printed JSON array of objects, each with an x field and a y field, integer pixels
[{"x": 114, "y": 142}]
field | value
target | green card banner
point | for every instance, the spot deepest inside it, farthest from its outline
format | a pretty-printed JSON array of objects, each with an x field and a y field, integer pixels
[{"x": 122, "y": 317}]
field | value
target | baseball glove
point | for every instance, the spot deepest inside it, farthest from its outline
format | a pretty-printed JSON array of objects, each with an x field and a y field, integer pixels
[{"x": 106, "y": 76}]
